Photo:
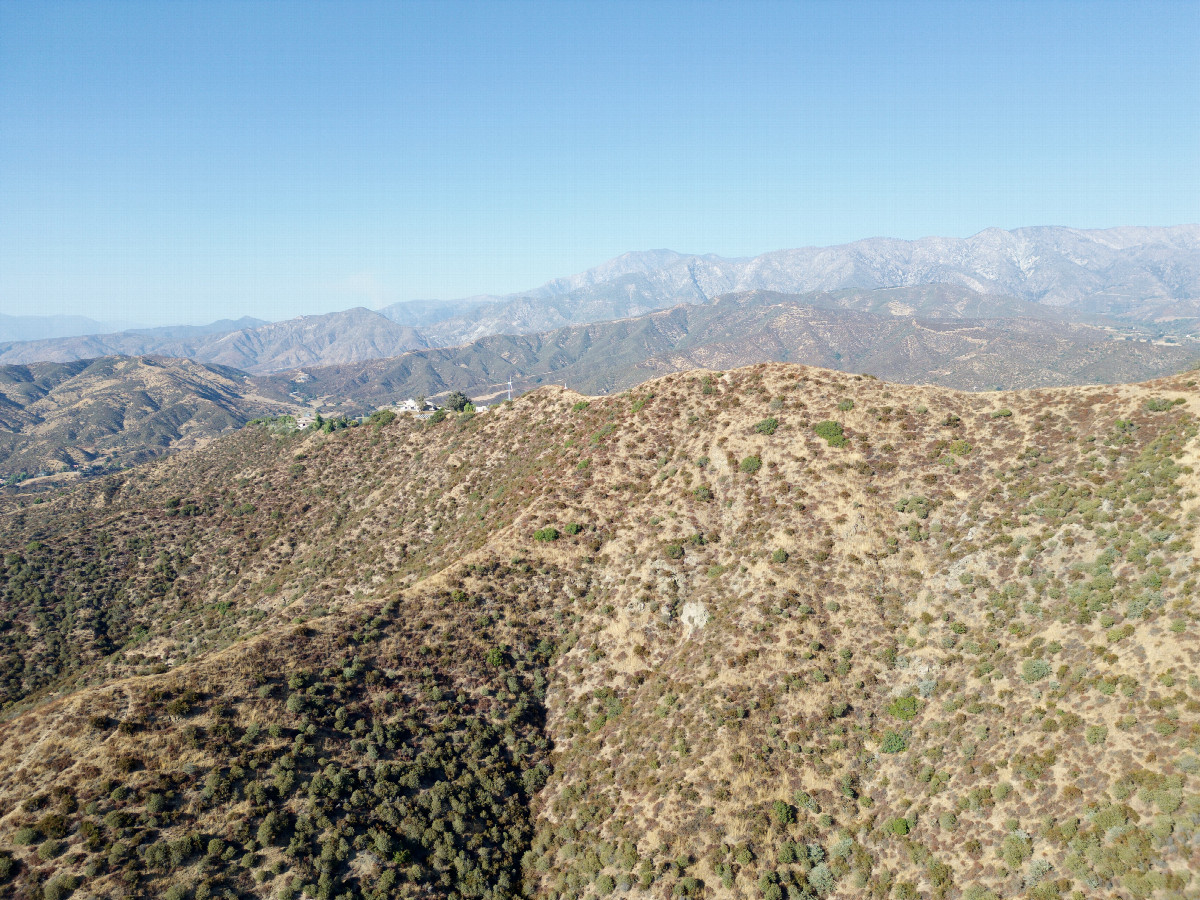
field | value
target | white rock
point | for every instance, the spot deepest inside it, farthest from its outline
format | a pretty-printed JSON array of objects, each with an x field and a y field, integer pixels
[{"x": 694, "y": 616}]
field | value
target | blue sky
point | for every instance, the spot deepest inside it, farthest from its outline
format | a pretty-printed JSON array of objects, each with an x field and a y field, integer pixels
[{"x": 183, "y": 162}]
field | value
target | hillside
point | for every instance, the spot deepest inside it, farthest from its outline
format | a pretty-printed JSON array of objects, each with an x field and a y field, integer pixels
[
  {"x": 778, "y": 632},
  {"x": 114, "y": 412},
  {"x": 932, "y": 333}
]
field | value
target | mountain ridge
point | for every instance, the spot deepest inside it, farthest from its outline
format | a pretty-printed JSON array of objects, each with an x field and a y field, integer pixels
[
  {"x": 992, "y": 261},
  {"x": 1139, "y": 277},
  {"x": 850, "y": 329},
  {"x": 357, "y": 333}
]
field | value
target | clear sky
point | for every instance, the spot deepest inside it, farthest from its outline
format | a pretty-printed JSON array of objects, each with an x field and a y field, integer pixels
[{"x": 187, "y": 161}]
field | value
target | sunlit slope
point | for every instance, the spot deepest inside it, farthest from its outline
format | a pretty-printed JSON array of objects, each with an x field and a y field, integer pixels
[{"x": 779, "y": 632}]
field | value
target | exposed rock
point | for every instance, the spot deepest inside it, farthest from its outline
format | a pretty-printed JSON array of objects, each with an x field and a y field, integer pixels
[{"x": 694, "y": 616}]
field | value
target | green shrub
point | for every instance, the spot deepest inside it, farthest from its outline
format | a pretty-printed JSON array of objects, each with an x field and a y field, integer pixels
[
  {"x": 48, "y": 849},
  {"x": 779, "y": 556},
  {"x": 1002, "y": 414},
  {"x": 270, "y": 828},
  {"x": 703, "y": 493},
  {"x": 845, "y": 405},
  {"x": 898, "y": 827},
  {"x": 832, "y": 432},
  {"x": 439, "y": 415},
  {"x": 1096, "y": 734},
  {"x": 674, "y": 551},
  {"x": 905, "y": 708},
  {"x": 573, "y": 528},
  {"x": 1015, "y": 849},
  {"x": 547, "y": 534},
  {"x": 60, "y": 887},
  {"x": 117, "y": 819},
  {"x": 580, "y": 406},
  {"x": 1161, "y": 404},
  {"x": 920, "y": 507},
  {"x": 893, "y": 742},
  {"x": 24, "y": 836},
  {"x": 605, "y": 885},
  {"x": 767, "y": 426},
  {"x": 807, "y": 801},
  {"x": 750, "y": 465},
  {"x": 782, "y": 813},
  {"x": 1034, "y": 670},
  {"x": 8, "y": 865},
  {"x": 822, "y": 880}
]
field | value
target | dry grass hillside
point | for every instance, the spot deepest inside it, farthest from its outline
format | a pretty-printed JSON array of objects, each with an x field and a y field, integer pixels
[
  {"x": 774, "y": 633},
  {"x": 96, "y": 415}
]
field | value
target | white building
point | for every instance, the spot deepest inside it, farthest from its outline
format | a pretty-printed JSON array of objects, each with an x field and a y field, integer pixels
[{"x": 413, "y": 406}]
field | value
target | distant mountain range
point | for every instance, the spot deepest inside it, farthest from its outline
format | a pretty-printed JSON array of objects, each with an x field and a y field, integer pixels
[
  {"x": 101, "y": 414},
  {"x": 247, "y": 344},
  {"x": 1147, "y": 278},
  {"x": 1140, "y": 275},
  {"x": 929, "y": 334}
]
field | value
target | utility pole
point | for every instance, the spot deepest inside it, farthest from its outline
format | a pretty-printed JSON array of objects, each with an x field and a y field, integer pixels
[{"x": 510, "y": 389}]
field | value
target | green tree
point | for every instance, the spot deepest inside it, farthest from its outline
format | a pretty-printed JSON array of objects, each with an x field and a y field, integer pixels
[{"x": 457, "y": 401}]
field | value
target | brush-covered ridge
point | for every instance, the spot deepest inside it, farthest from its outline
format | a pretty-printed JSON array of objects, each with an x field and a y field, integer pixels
[{"x": 778, "y": 632}]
